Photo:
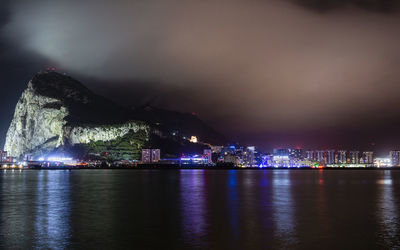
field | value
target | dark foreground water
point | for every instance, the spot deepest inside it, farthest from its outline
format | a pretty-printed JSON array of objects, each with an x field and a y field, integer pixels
[{"x": 192, "y": 209}]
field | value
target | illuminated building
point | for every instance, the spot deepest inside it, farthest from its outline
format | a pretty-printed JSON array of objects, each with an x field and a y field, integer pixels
[
  {"x": 319, "y": 156},
  {"x": 3, "y": 156},
  {"x": 296, "y": 153},
  {"x": 146, "y": 155},
  {"x": 150, "y": 155},
  {"x": 382, "y": 162},
  {"x": 155, "y": 155},
  {"x": 208, "y": 154},
  {"x": 310, "y": 155},
  {"x": 395, "y": 158},
  {"x": 281, "y": 161},
  {"x": 231, "y": 158},
  {"x": 228, "y": 150},
  {"x": 194, "y": 160},
  {"x": 248, "y": 156},
  {"x": 354, "y": 157},
  {"x": 281, "y": 151},
  {"x": 368, "y": 157},
  {"x": 341, "y": 157},
  {"x": 330, "y": 156},
  {"x": 293, "y": 153},
  {"x": 216, "y": 149}
]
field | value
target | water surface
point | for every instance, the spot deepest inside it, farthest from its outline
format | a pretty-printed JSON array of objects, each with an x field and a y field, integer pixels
[{"x": 200, "y": 209}]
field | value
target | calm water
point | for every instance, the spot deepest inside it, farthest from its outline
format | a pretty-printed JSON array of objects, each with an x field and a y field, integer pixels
[{"x": 193, "y": 209}]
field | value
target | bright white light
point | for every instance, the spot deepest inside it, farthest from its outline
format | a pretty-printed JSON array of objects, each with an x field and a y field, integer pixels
[
  {"x": 193, "y": 139},
  {"x": 281, "y": 157},
  {"x": 61, "y": 159}
]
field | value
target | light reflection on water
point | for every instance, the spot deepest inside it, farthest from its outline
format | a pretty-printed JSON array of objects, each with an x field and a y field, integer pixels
[
  {"x": 35, "y": 211},
  {"x": 193, "y": 196},
  {"x": 193, "y": 209},
  {"x": 52, "y": 210},
  {"x": 388, "y": 212},
  {"x": 233, "y": 203},
  {"x": 283, "y": 209}
]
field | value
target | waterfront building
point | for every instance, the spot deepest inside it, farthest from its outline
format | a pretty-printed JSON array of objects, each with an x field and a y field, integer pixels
[
  {"x": 3, "y": 156},
  {"x": 208, "y": 154},
  {"x": 395, "y": 158},
  {"x": 155, "y": 155},
  {"x": 296, "y": 154},
  {"x": 341, "y": 157},
  {"x": 194, "y": 160},
  {"x": 330, "y": 156},
  {"x": 146, "y": 155},
  {"x": 231, "y": 158},
  {"x": 248, "y": 156},
  {"x": 150, "y": 155},
  {"x": 310, "y": 155},
  {"x": 281, "y": 161},
  {"x": 354, "y": 157},
  {"x": 320, "y": 156},
  {"x": 292, "y": 153},
  {"x": 368, "y": 157},
  {"x": 382, "y": 162}
]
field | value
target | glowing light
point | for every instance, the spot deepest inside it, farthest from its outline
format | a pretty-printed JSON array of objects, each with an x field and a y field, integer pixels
[
  {"x": 60, "y": 159},
  {"x": 193, "y": 139},
  {"x": 192, "y": 159},
  {"x": 281, "y": 157}
]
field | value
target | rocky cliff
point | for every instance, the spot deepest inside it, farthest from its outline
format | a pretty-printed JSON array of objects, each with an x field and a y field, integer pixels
[{"x": 56, "y": 112}]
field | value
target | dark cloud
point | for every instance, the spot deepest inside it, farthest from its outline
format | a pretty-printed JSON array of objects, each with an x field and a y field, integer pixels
[
  {"x": 17, "y": 65},
  {"x": 248, "y": 67}
]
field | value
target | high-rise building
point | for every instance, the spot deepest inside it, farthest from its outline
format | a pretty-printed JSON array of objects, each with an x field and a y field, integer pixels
[
  {"x": 296, "y": 153},
  {"x": 354, "y": 157},
  {"x": 395, "y": 158},
  {"x": 320, "y": 156},
  {"x": 310, "y": 155},
  {"x": 330, "y": 156},
  {"x": 368, "y": 157},
  {"x": 341, "y": 157}
]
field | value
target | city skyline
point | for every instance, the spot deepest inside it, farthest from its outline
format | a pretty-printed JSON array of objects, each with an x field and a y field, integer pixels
[{"x": 195, "y": 124}]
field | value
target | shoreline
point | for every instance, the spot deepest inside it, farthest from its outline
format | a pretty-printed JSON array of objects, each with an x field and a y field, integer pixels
[{"x": 195, "y": 168}]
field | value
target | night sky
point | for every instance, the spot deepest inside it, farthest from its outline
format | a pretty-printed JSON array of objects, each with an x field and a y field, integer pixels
[{"x": 309, "y": 73}]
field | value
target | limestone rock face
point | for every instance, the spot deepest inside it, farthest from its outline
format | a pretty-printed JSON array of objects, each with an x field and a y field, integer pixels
[
  {"x": 56, "y": 112},
  {"x": 85, "y": 135},
  {"x": 37, "y": 123}
]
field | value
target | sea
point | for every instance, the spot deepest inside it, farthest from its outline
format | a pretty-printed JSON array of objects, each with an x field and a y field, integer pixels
[{"x": 200, "y": 209}]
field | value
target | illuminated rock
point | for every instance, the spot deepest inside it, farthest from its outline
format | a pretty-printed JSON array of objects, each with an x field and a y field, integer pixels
[{"x": 55, "y": 111}]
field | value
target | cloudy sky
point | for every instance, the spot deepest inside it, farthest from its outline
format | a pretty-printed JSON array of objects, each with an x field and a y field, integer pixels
[{"x": 311, "y": 73}]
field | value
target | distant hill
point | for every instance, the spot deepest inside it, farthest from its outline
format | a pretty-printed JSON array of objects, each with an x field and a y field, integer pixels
[{"x": 185, "y": 124}]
